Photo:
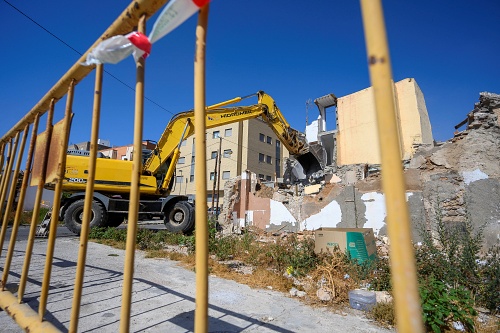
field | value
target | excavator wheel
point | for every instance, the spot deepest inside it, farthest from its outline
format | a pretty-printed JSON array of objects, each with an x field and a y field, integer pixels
[
  {"x": 74, "y": 215},
  {"x": 180, "y": 218}
]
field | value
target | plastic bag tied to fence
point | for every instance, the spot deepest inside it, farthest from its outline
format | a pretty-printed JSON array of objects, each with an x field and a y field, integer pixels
[{"x": 117, "y": 48}]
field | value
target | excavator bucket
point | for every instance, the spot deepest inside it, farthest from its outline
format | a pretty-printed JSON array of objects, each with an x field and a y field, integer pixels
[
  {"x": 306, "y": 167},
  {"x": 310, "y": 163}
]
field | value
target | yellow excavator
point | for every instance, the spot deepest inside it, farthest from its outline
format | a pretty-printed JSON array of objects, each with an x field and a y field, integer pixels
[{"x": 112, "y": 180}]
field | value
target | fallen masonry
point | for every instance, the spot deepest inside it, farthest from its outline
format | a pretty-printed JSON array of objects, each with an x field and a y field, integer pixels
[{"x": 457, "y": 181}]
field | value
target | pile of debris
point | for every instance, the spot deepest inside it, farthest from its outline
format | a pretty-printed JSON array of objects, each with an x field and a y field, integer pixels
[{"x": 485, "y": 115}]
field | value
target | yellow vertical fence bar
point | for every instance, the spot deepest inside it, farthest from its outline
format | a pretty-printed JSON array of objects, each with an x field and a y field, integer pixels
[
  {"x": 201, "y": 231},
  {"x": 2, "y": 158},
  {"x": 57, "y": 202},
  {"x": 4, "y": 172},
  {"x": 404, "y": 278},
  {"x": 13, "y": 186},
  {"x": 20, "y": 203},
  {"x": 87, "y": 208},
  {"x": 7, "y": 180},
  {"x": 36, "y": 208},
  {"x": 6, "y": 175},
  {"x": 133, "y": 212}
]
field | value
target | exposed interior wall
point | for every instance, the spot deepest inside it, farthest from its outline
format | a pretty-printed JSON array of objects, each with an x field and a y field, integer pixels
[
  {"x": 357, "y": 138},
  {"x": 415, "y": 124}
]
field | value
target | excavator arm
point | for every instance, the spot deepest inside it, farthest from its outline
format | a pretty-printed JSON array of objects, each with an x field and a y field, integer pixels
[
  {"x": 113, "y": 176},
  {"x": 181, "y": 127}
]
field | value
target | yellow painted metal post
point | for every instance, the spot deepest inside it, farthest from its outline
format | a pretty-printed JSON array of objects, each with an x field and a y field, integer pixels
[
  {"x": 133, "y": 212},
  {"x": 4, "y": 171},
  {"x": 404, "y": 278},
  {"x": 20, "y": 204},
  {"x": 2, "y": 151},
  {"x": 201, "y": 218},
  {"x": 7, "y": 180},
  {"x": 36, "y": 208},
  {"x": 6, "y": 175},
  {"x": 87, "y": 208},
  {"x": 57, "y": 202}
]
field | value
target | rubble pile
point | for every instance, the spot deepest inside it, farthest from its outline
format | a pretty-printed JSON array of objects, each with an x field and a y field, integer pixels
[
  {"x": 484, "y": 115},
  {"x": 457, "y": 182}
]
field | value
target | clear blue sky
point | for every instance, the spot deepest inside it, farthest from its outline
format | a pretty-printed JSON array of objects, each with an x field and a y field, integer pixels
[{"x": 294, "y": 50}]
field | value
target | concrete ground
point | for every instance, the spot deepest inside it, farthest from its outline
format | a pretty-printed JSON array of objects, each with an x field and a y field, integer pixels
[{"x": 163, "y": 296}]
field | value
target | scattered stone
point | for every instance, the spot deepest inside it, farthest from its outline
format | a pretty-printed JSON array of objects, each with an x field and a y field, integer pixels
[
  {"x": 383, "y": 297},
  {"x": 324, "y": 294},
  {"x": 312, "y": 189},
  {"x": 267, "y": 319}
]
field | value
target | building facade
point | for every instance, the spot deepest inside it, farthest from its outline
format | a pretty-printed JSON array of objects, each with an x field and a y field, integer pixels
[{"x": 247, "y": 145}]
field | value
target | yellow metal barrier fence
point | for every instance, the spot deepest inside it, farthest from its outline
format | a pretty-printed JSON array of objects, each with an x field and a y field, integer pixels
[{"x": 12, "y": 146}]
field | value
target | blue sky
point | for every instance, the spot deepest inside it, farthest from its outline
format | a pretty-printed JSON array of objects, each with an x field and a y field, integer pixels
[{"x": 293, "y": 50}]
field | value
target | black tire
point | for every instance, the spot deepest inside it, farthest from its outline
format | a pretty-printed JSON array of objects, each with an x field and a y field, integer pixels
[
  {"x": 180, "y": 218},
  {"x": 115, "y": 219},
  {"x": 74, "y": 214}
]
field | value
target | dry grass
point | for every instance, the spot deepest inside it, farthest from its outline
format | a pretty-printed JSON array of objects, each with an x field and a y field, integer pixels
[{"x": 330, "y": 275}]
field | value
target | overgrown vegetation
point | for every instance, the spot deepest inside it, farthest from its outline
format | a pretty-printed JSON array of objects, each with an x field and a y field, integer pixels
[
  {"x": 454, "y": 277},
  {"x": 26, "y": 216}
]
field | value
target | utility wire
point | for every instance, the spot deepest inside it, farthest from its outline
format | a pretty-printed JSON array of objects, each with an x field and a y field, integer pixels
[
  {"x": 110, "y": 74},
  {"x": 81, "y": 54}
]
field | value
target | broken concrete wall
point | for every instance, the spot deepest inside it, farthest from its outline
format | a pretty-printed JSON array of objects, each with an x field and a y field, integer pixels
[{"x": 455, "y": 182}]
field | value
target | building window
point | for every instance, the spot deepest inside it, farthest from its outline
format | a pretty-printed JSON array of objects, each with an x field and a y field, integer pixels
[
  {"x": 227, "y": 153},
  {"x": 269, "y": 140},
  {"x": 212, "y": 175},
  {"x": 182, "y": 160},
  {"x": 183, "y": 143},
  {"x": 209, "y": 197},
  {"x": 268, "y": 178},
  {"x": 213, "y": 155},
  {"x": 191, "y": 178},
  {"x": 226, "y": 174},
  {"x": 262, "y": 137},
  {"x": 228, "y": 132},
  {"x": 261, "y": 157},
  {"x": 179, "y": 179},
  {"x": 261, "y": 176},
  {"x": 216, "y": 135},
  {"x": 268, "y": 159}
]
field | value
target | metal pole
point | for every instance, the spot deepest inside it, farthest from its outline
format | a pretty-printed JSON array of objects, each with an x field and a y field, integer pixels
[
  {"x": 54, "y": 219},
  {"x": 6, "y": 176},
  {"x": 133, "y": 212},
  {"x": 201, "y": 231},
  {"x": 404, "y": 278},
  {"x": 214, "y": 183},
  {"x": 2, "y": 157},
  {"x": 20, "y": 203},
  {"x": 7, "y": 180},
  {"x": 36, "y": 208},
  {"x": 87, "y": 208},
  {"x": 218, "y": 179}
]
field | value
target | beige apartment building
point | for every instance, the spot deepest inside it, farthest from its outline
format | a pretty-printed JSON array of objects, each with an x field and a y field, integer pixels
[{"x": 247, "y": 145}]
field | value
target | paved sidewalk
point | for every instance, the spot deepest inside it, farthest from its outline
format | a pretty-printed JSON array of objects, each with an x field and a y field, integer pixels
[{"x": 163, "y": 297}]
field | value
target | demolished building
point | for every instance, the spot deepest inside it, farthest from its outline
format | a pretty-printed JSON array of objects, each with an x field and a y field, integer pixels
[{"x": 455, "y": 181}]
